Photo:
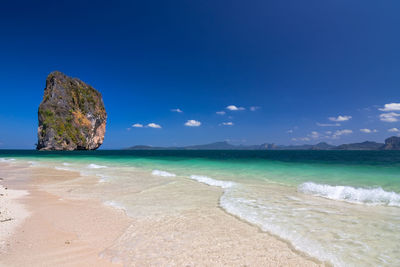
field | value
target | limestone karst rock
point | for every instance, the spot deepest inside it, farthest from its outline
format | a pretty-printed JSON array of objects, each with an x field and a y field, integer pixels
[
  {"x": 392, "y": 143},
  {"x": 71, "y": 116}
]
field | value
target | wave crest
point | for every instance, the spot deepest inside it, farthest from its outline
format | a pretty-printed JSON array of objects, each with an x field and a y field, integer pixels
[
  {"x": 162, "y": 173},
  {"x": 115, "y": 205},
  {"x": 95, "y": 166},
  {"x": 7, "y": 160},
  {"x": 376, "y": 196},
  {"x": 212, "y": 182}
]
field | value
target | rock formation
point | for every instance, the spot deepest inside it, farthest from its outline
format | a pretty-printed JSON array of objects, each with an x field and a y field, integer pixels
[
  {"x": 392, "y": 143},
  {"x": 71, "y": 116}
]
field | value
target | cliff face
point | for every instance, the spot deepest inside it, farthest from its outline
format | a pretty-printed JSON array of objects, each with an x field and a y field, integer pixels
[
  {"x": 392, "y": 143},
  {"x": 71, "y": 116}
]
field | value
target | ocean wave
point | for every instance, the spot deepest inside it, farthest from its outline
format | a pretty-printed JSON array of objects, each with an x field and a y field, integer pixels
[
  {"x": 66, "y": 164},
  {"x": 376, "y": 196},
  {"x": 212, "y": 182},
  {"x": 6, "y": 160},
  {"x": 115, "y": 205},
  {"x": 162, "y": 173},
  {"x": 259, "y": 214},
  {"x": 95, "y": 166},
  {"x": 103, "y": 178},
  {"x": 61, "y": 168}
]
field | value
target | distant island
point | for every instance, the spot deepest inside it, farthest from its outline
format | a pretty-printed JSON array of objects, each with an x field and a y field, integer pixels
[{"x": 391, "y": 143}]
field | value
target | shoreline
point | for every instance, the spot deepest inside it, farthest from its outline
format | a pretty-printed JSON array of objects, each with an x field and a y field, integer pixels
[
  {"x": 86, "y": 231},
  {"x": 60, "y": 232}
]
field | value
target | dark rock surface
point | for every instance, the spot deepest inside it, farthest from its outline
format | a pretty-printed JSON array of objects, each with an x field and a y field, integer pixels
[
  {"x": 71, "y": 116},
  {"x": 392, "y": 143}
]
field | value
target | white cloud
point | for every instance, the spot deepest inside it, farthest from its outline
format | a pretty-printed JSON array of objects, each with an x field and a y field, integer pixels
[
  {"x": 341, "y": 132},
  {"x": 340, "y": 118},
  {"x": 254, "y": 108},
  {"x": 393, "y": 130},
  {"x": 328, "y": 124},
  {"x": 328, "y": 132},
  {"x": 137, "y": 125},
  {"x": 389, "y": 117},
  {"x": 229, "y": 123},
  {"x": 234, "y": 108},
  {"x": 314, "y": 135},
  {"x": 301, "y": 139},
  {"x": 368, "y": 130},
  {"x": 345, "y": 131},
  {"x": 289, "y": 131},
  {"x": 391, "y": 107},
  {"x": 192, "y": 123},
  {"x": 220, "y": 112},
  {"x": 178, "y": 110},
  {"x": 154, "y": 125}
]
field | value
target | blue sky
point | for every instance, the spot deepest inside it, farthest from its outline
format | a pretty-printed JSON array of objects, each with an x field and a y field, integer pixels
[{"x": 301, "y": 63}]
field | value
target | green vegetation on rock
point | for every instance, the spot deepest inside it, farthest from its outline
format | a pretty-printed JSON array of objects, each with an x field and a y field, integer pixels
[{"x": 71, "y": 116}]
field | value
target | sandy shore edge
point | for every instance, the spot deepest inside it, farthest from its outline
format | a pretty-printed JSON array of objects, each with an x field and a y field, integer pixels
[
  {"x": 66, "y": 232},
  {"x": 48, "y": 230}
]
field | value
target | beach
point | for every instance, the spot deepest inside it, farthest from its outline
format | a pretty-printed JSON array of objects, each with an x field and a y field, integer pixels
[
  {"x": 200, "y": 133},
  {"x": 196, "y": 208},
  {"x": 65, "y": 223}
]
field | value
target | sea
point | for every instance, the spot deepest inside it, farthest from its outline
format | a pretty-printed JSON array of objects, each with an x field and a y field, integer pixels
[{"x": 341, "y": 207}]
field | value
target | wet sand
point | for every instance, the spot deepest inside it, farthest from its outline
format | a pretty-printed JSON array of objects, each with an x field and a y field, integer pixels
[{"x": 64, "y": 230}]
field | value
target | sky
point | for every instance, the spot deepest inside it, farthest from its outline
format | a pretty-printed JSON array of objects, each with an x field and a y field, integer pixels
[{"x": 176, "y": 73}]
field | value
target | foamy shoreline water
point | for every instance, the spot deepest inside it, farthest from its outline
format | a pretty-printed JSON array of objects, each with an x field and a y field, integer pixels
[
  {"x": 278, "y": 253},
  {"x": 313, "y": 216},
  {"x": 372, "y": 196}
]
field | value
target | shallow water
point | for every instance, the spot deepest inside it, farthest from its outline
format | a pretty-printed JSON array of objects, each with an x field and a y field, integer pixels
[{"x": 338, "y": 206}]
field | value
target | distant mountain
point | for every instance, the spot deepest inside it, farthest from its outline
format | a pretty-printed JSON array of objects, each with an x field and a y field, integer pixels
[
  {"x": 367, "y": 145},
  {"x": 319, "y": 146},
  {"x": 322, "y": 146},
  {"x": 392, "y": 143},
  {"x": 143, "y": 147},
  {"x": 213, "y": 146}
]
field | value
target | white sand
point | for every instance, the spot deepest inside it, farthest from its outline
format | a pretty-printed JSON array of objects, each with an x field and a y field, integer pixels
[
  {"x": 12, "y": 213},
  {"x": 65, "y": 231}
]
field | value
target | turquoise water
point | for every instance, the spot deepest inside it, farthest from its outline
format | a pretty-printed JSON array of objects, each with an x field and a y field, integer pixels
[
  {"x": 342, "y": 207},
  {"x": 349, "y": 168}
]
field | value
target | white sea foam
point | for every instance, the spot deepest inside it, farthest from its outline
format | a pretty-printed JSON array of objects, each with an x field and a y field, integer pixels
[
  {"x": 114, "y": 205},
  {"x": 376, "y": 196},
  {"x": 162, "y": 173},
  {"x": 33, "y": 163},
  {"x": 212, "y": 182},
  {"x": 66, "y": 164},
  {"x": 95, "y": 166},
  {"x": 7, "y": 160},
  {"x": 262, "y": 216},
  {"x": 61, "y": 168},
  {"x": 103, "y": 178}
]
